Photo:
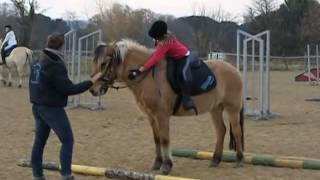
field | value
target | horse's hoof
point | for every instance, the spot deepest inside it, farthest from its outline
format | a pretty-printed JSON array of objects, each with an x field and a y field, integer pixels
[
  {"x": 165, "y": 170},
  {"x": 157, "y": 164},
  {"x": 9, "y": 84},
  {"x": 20, "y": 86},
  {"x": 239, "y": 164},
  {"x": 239, "y": 161},
  {"x": 4, "y": 82},
  {"x": 215, "y": 161},
  {"x": 166, "y": 167}
]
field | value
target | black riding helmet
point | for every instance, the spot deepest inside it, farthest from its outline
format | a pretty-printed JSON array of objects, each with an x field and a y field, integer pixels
[
  {"x": 158, "y": 30},
  {"x": 8, "y": 26}
]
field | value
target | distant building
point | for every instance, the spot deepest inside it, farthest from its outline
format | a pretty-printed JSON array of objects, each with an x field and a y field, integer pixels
[{"x": 216, "y": 55}]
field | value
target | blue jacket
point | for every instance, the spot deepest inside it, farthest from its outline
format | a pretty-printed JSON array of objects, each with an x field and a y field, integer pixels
[{"x": 49, "y": 83}]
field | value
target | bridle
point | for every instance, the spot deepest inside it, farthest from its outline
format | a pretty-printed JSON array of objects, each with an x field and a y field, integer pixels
[{"x": 116, "y": 59}]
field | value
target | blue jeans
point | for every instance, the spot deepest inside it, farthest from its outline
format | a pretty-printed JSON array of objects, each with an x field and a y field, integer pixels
[{"x": 55, "y": 118}]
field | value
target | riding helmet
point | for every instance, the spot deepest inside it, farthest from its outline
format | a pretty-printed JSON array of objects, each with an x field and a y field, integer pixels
[
  {"x": 8, "y": 26},
  {"x": 158, "y": 30}
]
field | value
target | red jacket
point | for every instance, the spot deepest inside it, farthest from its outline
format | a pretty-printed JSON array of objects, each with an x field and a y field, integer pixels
[{"x": 171, "y": 48}]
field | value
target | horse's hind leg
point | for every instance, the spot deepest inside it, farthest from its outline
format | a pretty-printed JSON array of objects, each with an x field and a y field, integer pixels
[
  {"x": 163, "y": 122},
  {"x": 9, "y": 78},
  {"x": 158, "y": 161},
  {"x": 233, "y": 114},
  {"x": 1, "y": 76},
  {"x": 217, "y": 119},
  {"x": 20, "y": 75},
  {"x": 20, "y": 80}
]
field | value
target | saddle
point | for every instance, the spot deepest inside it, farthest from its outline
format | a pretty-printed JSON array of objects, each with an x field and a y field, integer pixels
[
  {"x": 8, "y": 52},
  {"x": 202, "y": 78}
]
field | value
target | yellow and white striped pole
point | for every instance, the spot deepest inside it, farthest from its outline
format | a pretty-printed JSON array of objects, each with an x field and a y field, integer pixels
[{"x": 108, "y": 172}]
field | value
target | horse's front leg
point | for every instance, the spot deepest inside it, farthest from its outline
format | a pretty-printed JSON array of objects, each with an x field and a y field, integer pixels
[
  {"x": 163, "y": 122},
  {"x": 156, "y": 136}
]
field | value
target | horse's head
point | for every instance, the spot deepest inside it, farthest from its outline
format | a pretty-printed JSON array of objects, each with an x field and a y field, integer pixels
[
  {"x": 107, "y": 59},
  {"x": 114, "y": 61}
]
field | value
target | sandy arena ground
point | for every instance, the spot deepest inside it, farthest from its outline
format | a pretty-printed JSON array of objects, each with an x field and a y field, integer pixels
[{"x": 121, "y": 137}]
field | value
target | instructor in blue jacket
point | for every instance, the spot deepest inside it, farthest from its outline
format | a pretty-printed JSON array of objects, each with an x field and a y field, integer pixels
[{"x": 50, "y": 87}]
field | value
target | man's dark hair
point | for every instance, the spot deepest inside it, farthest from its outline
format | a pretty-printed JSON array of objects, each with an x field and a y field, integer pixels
[{"x": 55, "y": 41}]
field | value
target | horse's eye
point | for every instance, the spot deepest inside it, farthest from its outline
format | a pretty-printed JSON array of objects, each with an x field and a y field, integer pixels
[{"x": 103, "y": 64}]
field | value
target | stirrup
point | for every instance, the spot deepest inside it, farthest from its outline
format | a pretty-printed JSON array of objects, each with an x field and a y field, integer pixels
[
  {"x": 190, "y": 106},
  {"x": 194, "y": 109},
  {"x": 3, "y": 62}
]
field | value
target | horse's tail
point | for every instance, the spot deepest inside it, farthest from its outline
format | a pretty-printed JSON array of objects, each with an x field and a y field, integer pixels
[
  {"x": 28, "y": 61},
  {"x": 232, "y": 143},
  {"x": 29, "y": 57}
]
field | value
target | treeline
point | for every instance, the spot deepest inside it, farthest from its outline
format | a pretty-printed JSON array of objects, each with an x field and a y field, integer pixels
[
  {"x": 200, "y": 33},
  {"x": 293, "y": 24},
  {"x": 31, "y": 28}
]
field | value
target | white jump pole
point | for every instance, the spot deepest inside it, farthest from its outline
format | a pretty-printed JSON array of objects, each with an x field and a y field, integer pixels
[
  {"x": 244, "y": 74},
  {"x": 262, "y": 88},
  {"x": 268, "y": 83},
  {"x": 238, "y": 50},
  {"x": 317, "y": 61},
  {"x": 253, "y": 100},
  {"x": 309, "y": 64}
]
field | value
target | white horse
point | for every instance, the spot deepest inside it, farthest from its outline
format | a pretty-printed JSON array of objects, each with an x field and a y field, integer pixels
[{"x": 19, "y": 59}]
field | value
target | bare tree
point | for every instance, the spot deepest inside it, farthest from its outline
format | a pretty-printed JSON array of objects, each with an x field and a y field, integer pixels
[
  {"x": 263, "y": 7},
  {"x": 310, "y": 25},
  {"x": 120, "y": 21},
  {"x": 249, "y": 15},
  {"x": 6, "y": 10},
  {"x": 26, "y": 12},
  {"x": 217, "y": 13},
  {"x": 200, "y": 9},
  {"x": 216, "y": 19},
  {"x": 71, "y": 18}
]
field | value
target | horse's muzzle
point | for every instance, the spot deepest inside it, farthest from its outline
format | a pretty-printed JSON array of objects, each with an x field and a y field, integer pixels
[{"x": 94, "y": 93}]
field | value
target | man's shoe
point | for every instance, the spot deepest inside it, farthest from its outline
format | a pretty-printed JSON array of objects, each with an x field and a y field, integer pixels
[
  {"x": 69, "y": 177},
  {"x": 39, "y": 178}
]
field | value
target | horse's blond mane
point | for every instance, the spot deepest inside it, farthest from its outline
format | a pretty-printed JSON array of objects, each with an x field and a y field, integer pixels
[{"x": 128, "y": 44}]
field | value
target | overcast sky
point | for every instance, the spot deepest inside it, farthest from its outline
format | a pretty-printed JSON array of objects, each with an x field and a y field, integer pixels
[{"x": 86, "y": 8}]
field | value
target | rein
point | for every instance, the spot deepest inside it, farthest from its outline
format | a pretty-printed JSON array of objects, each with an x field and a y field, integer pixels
[{"x": 134, "y": 83}]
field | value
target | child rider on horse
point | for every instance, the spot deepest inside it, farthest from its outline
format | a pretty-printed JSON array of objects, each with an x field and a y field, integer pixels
[
  {"x": 167, "y": 45},
  {"x": 9, "y": 43}
]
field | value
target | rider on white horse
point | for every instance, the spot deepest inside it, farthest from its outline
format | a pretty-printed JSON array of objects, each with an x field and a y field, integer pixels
[{"x": 9, "y": 43}]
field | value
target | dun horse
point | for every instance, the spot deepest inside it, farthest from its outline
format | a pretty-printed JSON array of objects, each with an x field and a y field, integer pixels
[
  {"x": 19, "y": 59},
  {"x": 156, "y": 98}
]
